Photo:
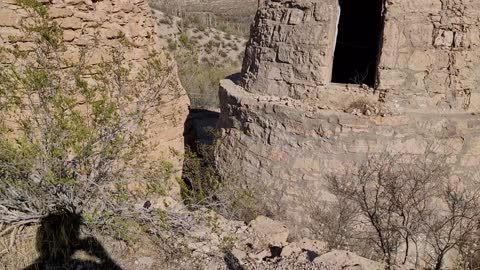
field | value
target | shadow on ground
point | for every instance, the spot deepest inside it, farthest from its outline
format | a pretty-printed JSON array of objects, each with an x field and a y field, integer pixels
[{"x": 61, "y": 247}]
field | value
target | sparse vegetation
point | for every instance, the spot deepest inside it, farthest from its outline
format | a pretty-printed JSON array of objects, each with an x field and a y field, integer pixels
[
  {"x": 202, "y": 186},
  {"x": 203, "y": 20},
  {"x": 186, "y": 41},
  {"x": 204, "y": 53},
  {"x": 398, "y": 203},
  {"x": 201, "y": 78},
  {"x": 362, "y": 107}
]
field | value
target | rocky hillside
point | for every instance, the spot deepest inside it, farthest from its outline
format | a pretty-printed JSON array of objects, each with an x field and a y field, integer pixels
[{"x": 210, "y": 45}]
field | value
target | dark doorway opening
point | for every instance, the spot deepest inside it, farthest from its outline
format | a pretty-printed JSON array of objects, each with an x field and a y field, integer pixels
[{"x": 358, "y": 42}]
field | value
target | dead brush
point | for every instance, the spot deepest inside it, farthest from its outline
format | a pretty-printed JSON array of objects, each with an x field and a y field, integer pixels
[{"x": 362, "y": 107}]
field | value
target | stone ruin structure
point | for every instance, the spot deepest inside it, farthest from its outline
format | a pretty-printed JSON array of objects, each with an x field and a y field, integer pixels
[
  {"x": 327, "y": 82},
  {"x": 102, "y": 25}
]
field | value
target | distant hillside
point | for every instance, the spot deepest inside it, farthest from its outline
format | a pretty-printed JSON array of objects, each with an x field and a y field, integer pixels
[
  {"x": 235, "y": 8},
  {"x": 208, "y": 47}
]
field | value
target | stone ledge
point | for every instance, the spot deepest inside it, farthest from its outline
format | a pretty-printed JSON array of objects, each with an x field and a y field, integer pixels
[{"x": 238, "y": 93}]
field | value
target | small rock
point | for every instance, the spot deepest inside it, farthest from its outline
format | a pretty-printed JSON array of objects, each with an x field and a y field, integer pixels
[
  {"x": 201, "y": 233},
  {"x": 166, "y": 203},
  {"x": 291, "y": 249},
  {"x": 144, "y": 262},
  {"x": 272, "y": 233},
  {"x": 261, "y": 255},
  {"x": 201, "y": 248},
  {"x": 318, "y": 247},
  {"x": 239, "y": 254}
]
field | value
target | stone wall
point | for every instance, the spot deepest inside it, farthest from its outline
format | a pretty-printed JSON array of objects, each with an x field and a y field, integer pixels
[
  {"x": 429, "y": 60},
  {"x": 431, "y": 54},
  {"x": 102, "y": 26},
  {"x": 285, "y": 148},
  {"x": 291, "y": 47}
]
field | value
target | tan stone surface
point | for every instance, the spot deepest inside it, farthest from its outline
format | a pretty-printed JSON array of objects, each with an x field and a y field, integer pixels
[
  {"x": 271, "y": 232},
  {"x": 344, "y": 260},
  {"x": 286, "y": 126}
]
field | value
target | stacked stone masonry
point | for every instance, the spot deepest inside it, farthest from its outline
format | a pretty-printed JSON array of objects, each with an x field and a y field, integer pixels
[
  {"x": 102, "y": 26},
  {"x": 286, "y": 126},
  {"x": 429, "y": 58}
]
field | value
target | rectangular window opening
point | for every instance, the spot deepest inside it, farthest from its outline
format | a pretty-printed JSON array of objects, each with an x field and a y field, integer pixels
[{"x": 358, "y": 42}]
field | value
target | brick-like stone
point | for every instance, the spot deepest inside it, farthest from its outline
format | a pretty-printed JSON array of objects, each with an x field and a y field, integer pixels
[
  {"x": 296, "y": 17},
  {"x": 9, "y": 18},
  {"x": 71, "y": 23},
  {"x": 59, "y": 12}
]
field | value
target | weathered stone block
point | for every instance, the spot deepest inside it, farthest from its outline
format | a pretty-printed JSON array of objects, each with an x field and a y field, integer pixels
[
  {"x": 419, "y": 34},
  {"x": 299, "y": 150},
  {"x": 59, "y": 12},
  {"x": 391, "y": 79},
  {"x": 70, "y": 23},
  {"x": 296, "y": 17},
  {"x": 444, "y": 38},
  {"x": 420, "y": 61},
  {"x": 9, "y": 18}
]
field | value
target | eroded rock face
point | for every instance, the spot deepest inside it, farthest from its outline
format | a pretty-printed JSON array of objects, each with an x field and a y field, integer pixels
[
  {"x": 286, "y": 126},
  {"x": 102, "y": 25}
]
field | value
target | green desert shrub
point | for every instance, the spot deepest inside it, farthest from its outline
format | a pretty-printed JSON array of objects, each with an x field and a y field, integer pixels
[
  {"x": 172, "y": 45},
  {"x": 69, "y": 132},
  {"x": 200, "y": 182},
  {"x": 186, "y": 41}
]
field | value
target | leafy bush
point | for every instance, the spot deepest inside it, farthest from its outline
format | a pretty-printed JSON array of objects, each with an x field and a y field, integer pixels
[
  {"x": 223, "y": 54},
  {"x": 172, "y": 45},
  {"x": 200, "y": 180}
]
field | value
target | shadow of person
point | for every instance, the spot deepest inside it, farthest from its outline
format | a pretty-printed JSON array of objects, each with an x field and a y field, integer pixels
[{"x": 58, "y": 241}]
